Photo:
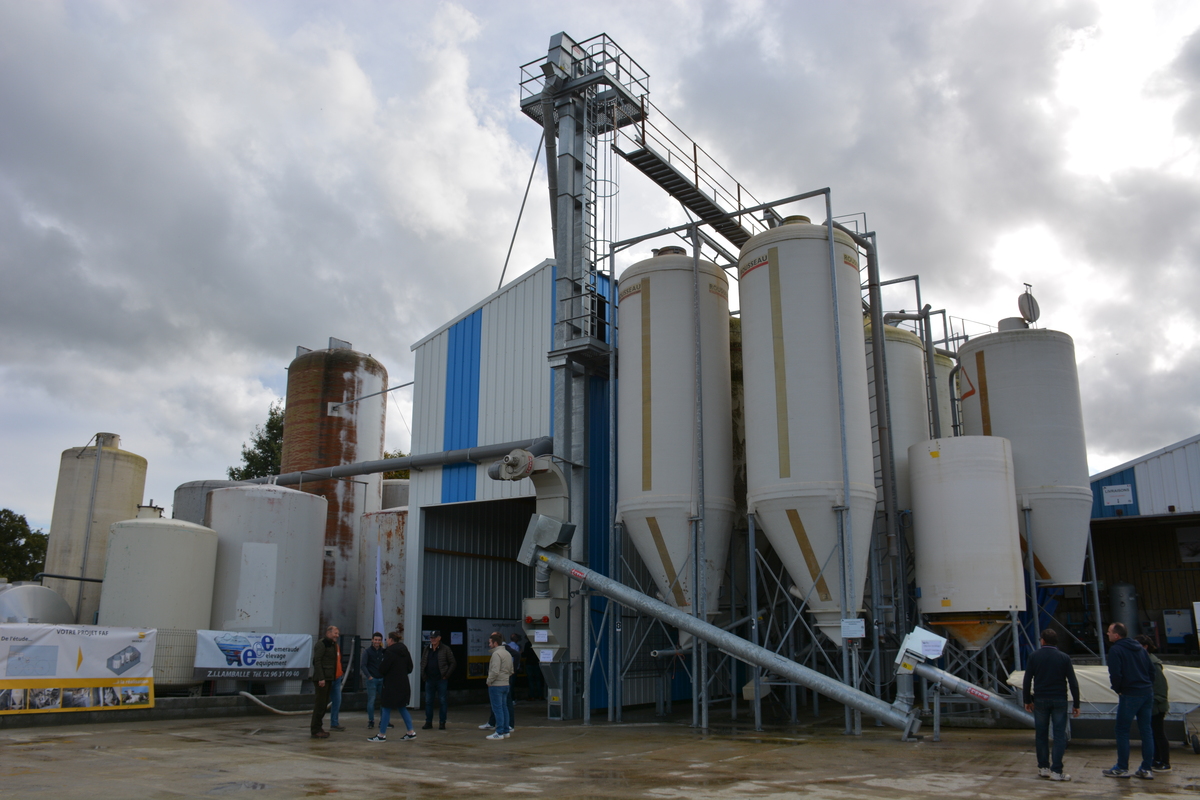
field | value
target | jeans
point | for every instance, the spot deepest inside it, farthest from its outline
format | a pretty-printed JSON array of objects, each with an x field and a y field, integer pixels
[
  {"x": 1045, "y": 711},
  {"x": 385, "y": 717},
  {"x": 499, "y": 696},
  {"x": 512, "y": 711},
  {"x": 439, "y": 687},
  {"x": 374, "y": 687},
  {"x": 335, "y": 698},
  {"x": 1128, "y": 707}
]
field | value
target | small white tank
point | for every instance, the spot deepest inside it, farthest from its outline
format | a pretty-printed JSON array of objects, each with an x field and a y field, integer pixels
[
  {"x": 270, "y": 543},
  {"x": 968, "y": 553},
  {"x": 159, "y": 574},
  {"x": 385, "y": 535},
  {"x": 395, "y": 493},
  {"x": 120, "y": 481},
  {"x": 656, "y": 472},
  {"x": 793, "y": 442},
  {"x": 191, "y": 499},
  {"x": 1023, "y": 385},
  {"x": 30, "y": 603},
  {"x": 907, "y": 398}
]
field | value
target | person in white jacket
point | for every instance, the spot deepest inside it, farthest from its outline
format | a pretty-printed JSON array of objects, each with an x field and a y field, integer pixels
[{"x": 500, "y": 669}]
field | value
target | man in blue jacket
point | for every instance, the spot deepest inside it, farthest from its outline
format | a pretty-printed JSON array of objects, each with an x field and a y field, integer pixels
[{"x": 1132, "y": 678}]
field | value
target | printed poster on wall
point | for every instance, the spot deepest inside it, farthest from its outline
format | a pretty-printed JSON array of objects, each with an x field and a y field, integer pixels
[
  {"x": 478, "y": 652},
  {"x": 252, "y": 656},
  {"x": 50, "y": 668}
]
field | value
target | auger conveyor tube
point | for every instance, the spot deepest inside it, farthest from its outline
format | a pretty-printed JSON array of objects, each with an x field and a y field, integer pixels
[
  {"x": 735, "y": 646},
  {"x": 958, "y": 686}
]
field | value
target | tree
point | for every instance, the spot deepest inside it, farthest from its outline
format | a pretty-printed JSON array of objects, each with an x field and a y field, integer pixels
[
  {"x": 396, "y": 473},
  {"x": 263, "y": 454},
  {"x": 22, "y": 551}
]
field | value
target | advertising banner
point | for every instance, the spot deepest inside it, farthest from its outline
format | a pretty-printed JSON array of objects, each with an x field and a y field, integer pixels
[
  {"x": 252, "y": 656},
  {"x": 478, "y": 652},
  {"x": 49, "y": 668}
]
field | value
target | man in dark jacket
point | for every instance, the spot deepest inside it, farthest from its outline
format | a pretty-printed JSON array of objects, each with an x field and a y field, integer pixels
[
  {"x": 437, "y": 665},
  {"x": 396, "y": 667},
  {"x": 326, "y": 667},
  {"x": 1132, "y": 678},
  {"x": 372, "y": 659},
  {"x": 1048, "y": 674}
]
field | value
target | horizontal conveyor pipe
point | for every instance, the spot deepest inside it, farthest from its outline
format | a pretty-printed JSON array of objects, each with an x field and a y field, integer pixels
[
  {"x": 967, "y": 689},
  {"x": 735, "y": 645},
  {"x": 539, "y": 447}
]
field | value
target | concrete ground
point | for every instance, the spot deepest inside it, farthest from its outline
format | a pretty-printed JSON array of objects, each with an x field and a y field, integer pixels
[{"x": 273, "y": 757}]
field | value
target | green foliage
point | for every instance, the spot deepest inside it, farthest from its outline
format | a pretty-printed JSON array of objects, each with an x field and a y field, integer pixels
[
  {"x": 22, "y": 551},
  {"x": 263, "y": 454},
  {"x": 396, "y": 473}
]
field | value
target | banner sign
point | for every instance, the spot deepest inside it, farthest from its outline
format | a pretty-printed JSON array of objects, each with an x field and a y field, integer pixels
[
  {"x": 252, "y": 656},
  {"x": 48, "y": 668}
]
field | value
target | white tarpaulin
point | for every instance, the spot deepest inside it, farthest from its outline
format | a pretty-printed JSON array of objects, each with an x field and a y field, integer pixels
[
  {"x": 252, "y": 656},
  {"x": 75, "y": 668},
  {"x": 1183, "y": 684}
]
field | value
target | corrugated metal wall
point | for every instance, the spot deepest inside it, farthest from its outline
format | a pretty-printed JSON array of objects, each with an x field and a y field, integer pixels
[
  {"x": 1101, "y": 511},
  {"x": 470, "y": 565},
  {"x": 1170, "y": 479},
  {"x": 1146, "y": 553}
]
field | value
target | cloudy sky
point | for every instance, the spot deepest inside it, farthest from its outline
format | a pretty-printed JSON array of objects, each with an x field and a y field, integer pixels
[{"x": 188, "y": 190}]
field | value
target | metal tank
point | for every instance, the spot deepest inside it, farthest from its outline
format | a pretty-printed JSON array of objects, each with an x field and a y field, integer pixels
[
  {"x": 969, "y": 574},
  {"x": 1123, "y": 605},
  {"x": 657, "y": 467},
  {"x": 28, "y": 602},
  {"x": 793, "y": 443},
  {"x": 326, "y": 424},
  {"x": 1023, "y": 385},
  {"x": 395, "y": 493},
  {"x": 907, "y": 399},
  {"x": 382, "y": 554},
  {"x": 191, "y": 499},
  {"x": 269, "y": 559},
  {"x": 108, "y": 483}
]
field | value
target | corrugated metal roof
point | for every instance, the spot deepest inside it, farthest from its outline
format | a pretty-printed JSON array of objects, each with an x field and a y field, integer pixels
[{"x": 1166, "y": 481}]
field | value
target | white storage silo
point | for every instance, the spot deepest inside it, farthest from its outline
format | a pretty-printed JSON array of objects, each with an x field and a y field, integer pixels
[
  {"x": 907, "y": 399},
  {"x": 942, "y": 366},
  {"x": 191, "y": 499},
  {"x": 159, "y": 574},
  {"x": 1023, "y": 385},
  {"x": 968, "y": 566},
  {"x": 269, "y": 559},
  {"x": 657, "y": 476},
  {"x": 793, "y": 443},
  {"x": 382, "y": 552},
  {"x": 77, "y": 545}
]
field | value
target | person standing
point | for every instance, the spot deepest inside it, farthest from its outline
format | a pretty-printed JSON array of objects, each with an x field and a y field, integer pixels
[
  {"x": 327, "y": 670},
  {"x": 437, "y": 665},
  {"x": 512, "y": 694},
  {"x": 1162, "y": 704},
  {"x": 1048, "y": 674},
  {"x": 396, "y": 667},
  {"x": 372, "y": 659},
  {"x": 1132, "y": 677},
  {"x": 500, "y": 668}
]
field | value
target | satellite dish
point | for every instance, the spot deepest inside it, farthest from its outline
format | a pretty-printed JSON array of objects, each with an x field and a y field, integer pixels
[{"x": 1028, "y": 306}]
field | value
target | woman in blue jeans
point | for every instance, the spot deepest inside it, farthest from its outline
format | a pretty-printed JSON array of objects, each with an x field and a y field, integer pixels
[{"x": 397, "y": 666}]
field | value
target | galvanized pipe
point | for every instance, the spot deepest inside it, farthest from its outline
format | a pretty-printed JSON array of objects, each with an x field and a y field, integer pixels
[
  {"x": 957, "y": 685},
  {"x": 752, "y": 591},
  {"x": 733, "y": 645},
  {"x": 700, "y": 587},
  {"x": 1096, "y": 601}
]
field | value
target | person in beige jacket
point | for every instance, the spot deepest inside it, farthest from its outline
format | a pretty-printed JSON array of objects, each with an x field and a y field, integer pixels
[{"x": 500, "y": 670}]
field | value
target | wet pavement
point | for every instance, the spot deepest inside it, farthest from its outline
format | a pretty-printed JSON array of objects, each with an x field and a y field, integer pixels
[{"x": 273, "y": 757}]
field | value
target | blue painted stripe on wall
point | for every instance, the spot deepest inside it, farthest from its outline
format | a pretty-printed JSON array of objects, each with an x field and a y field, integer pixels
[
  {"x": 1101, "y": 511},
  {"x": 461, "y": 426}
]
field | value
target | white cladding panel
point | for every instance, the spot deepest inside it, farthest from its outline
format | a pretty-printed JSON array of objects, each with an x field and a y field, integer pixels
[
  {"x": 907, "y": 399},
  {"x": 382, "y": 556},
  {"x": 1170, "y": 477},
  {"x": 657, "y": 475},
  {"x": 270, "y": 559},
  {"x": 968, "y": 546},
  {"x": 793, "y": 447},
  {"x": 1023, "y": 385},
  {"x": 159, "y": 574}
]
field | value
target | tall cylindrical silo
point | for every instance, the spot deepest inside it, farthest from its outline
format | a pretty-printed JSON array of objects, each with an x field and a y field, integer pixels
[
  {"x": 1023, "y": 385},
  {"x": 382, "y": 561},
  {"x": 160, "y": 574},
  {"x": 907, "y": 399},
  {"x": 942, "y": 367},
  {"x": 969, "y": 573},
  {"x": 793, "y": 429},
  {"x": 269, "y": 559},
  {"x": 326, "y": 425},
  {"x": 111, "y": 486},
  {"x": 657, "y": 471},
  {"x": 191, "y": 499}
]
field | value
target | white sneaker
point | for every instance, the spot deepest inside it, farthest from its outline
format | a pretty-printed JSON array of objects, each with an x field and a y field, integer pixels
[
  {"x": 1059, "y": 776},
  {"x": 377, "y": 738},
  {"x": 1043, "y": 772},
  {"x": 495, "y": 736},
  {"x": 487, "y": 726}
]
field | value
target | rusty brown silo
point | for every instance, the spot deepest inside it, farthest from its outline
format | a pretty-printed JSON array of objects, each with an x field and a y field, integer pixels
[{"x": 325, "y": 424}]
